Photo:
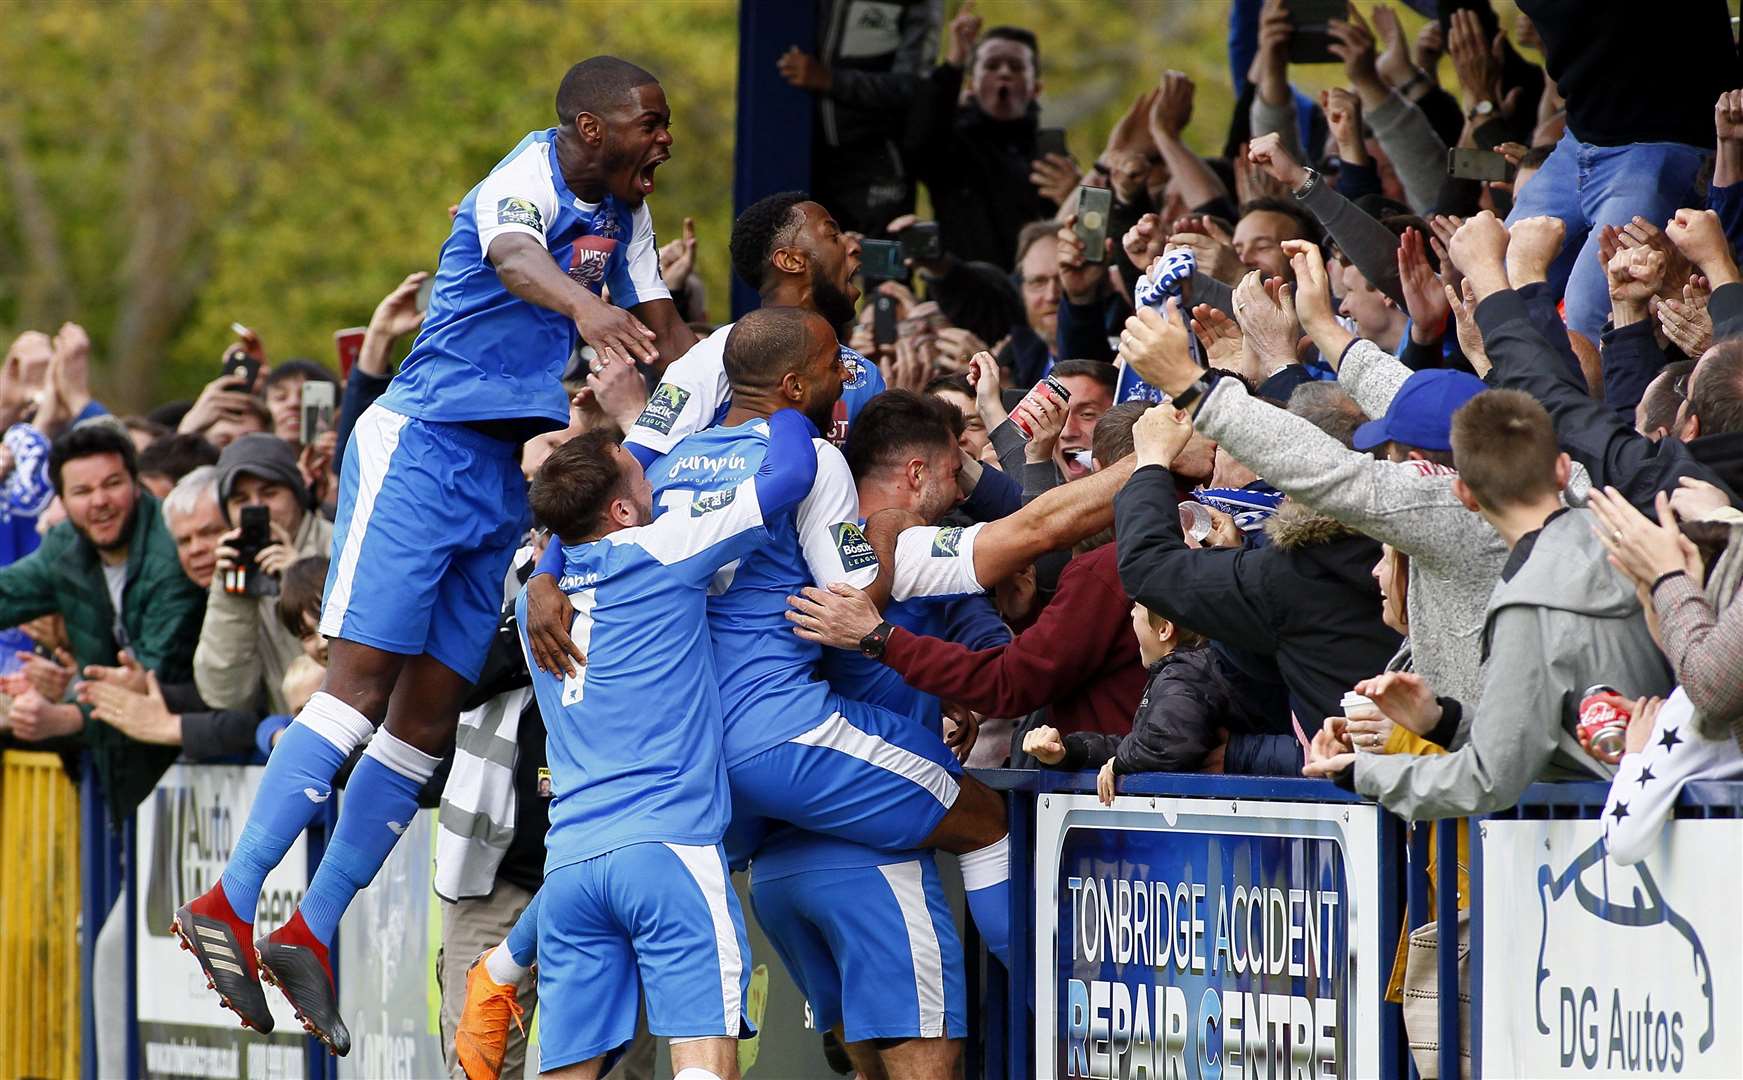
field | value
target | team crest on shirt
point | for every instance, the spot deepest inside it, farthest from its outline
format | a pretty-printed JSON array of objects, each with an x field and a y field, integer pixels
[
  {"x": 716, "y": 500},
  {"x": 517, "y": 211},
  {"x": 855, "y": 365},
  {"x": 663, "y": 408},
  {"x": 589, "y": 258},
  {"x": 855, "y": 550},
  {"x": 944, "y": 544}
]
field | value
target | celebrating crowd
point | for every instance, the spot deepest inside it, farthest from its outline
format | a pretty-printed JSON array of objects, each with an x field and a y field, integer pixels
[{"x": 1399, "y": 444}]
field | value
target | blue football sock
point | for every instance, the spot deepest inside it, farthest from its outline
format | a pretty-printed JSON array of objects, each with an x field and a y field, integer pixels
[
  {"x": 523, "y": 940},
  {"x": 986, "y": 876},
  {"x": 381, "y": 800},
  {"x": 298, "y": 781}
]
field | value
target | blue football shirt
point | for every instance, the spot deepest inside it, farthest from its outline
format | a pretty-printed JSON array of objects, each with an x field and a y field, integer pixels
[
  {"x": 694, "y": 395},
  {"x": 769, "y": 688},
  {"x": 634, "y": 740},
  {"x": 486, "y": 354}
]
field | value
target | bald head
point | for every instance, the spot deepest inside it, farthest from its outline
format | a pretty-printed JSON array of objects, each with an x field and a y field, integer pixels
[
  {"x": 599, "y": 85},
  {"x": 785, "y": 357},
  {"x": 770, "y": 342}
]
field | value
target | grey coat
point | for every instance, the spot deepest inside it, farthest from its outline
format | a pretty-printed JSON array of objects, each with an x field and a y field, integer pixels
[{"x": 1565, "y": 622}]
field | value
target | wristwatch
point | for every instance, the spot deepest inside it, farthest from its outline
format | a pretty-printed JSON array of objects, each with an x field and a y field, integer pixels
[
  {"x": 1483, "y": 109},
  {"x": 1418, "y": 79},
  {"x": 1196, "y": 392},
  {"x": 1308, "y": 184},
  {"x": 874, "y": 643}
]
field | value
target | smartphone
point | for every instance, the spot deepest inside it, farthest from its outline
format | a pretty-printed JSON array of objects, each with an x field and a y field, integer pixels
[
  {"x": 1311, "y": 43},
  {"x": 883, "y": 319},
  {"x": 243, "y": 359},
  {"x": 1051, "y": 141},
  {"x": 1468, "y": 164},
  {"x": 256, "y": 536},
  {"x": 424, "y": 291},
  {"x": 238, "y": 364},
  {"x": 921, "y": 241},
  {"x": 348, "y": 343},
  {"x": 317, "y": 409},
  {"x": 1094, "y": 204},
  {"x": 881, "y": 260}
]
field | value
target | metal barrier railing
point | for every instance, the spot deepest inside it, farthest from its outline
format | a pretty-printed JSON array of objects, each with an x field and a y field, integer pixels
[{"x": 39, "y": 943}]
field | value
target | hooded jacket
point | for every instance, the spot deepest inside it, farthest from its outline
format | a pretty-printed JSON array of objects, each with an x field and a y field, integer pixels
[
  {"x": 1308, "y": 597},
  {"x": 1561, "y": 622}
]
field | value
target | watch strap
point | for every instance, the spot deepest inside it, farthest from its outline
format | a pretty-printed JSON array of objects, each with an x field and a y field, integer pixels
[{"x": 874, "y": 643}]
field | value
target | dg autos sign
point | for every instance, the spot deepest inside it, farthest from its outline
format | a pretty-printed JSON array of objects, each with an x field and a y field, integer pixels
[
  {"x": 1591, "y": 968},
  {"x": 1206, "y": 938}
]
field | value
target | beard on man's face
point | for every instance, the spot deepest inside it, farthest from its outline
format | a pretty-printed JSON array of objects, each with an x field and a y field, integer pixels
[{"x": 832, "y": 302}]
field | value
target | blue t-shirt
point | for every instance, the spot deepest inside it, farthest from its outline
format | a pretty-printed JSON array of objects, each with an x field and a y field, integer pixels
[
  {"x": 769, "y": 690},
  {"x": 486, "y": 354}
]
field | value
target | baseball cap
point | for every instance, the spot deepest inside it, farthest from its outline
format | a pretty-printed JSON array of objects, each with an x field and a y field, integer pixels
[{"x": 1422, "y": 411}]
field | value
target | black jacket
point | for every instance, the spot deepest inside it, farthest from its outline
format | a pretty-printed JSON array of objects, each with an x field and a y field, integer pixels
[
  {"x": 1175, "y": 728},
  {"x": 1308, "y": 597},
  {"x": 976, "y": 169},
  {"x": 1527, "y": 343}
]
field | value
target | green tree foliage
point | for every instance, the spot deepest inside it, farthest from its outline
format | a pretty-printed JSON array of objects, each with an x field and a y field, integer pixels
[
  {"x": 168, "y": 167},
  {"x": 171, "y": 167}
]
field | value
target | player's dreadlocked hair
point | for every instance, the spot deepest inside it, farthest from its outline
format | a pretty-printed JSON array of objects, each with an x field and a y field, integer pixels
[
  {"x": 764, "y": 226},
  {"x": 598, "y": 84}
]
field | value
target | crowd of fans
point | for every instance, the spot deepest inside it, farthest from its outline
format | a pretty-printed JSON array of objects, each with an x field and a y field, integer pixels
[{"x": 1459, "y": 452}]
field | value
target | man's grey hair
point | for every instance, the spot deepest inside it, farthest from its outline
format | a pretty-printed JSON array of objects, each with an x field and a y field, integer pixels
[
  {"x": 185, "y": 497},
  {"x": 1327, "y": 407}
]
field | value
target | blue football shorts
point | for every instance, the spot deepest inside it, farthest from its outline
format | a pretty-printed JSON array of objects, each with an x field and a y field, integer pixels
[
  {"x": 864, "y": 774},
  {"x": 429, "y": 516},
  {"x": 872, "y": 948},
  {"x": 653, "y": 920}
]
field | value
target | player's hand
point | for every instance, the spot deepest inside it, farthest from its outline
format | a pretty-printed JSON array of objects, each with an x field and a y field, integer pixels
[
  {"x": 549, "y": 617},
  {"x": 962, "y": 730},
  {"x": 839, "y": 616},
  {"x": 1044, "y": 744},
  {"x": 605, "y": 326},
  {"x": 617, "y": 386},
  {"x": 1104, "y": 783}
]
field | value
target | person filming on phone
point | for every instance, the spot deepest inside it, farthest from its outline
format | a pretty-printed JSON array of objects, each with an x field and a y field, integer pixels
[{"x": 244, "y": 647}]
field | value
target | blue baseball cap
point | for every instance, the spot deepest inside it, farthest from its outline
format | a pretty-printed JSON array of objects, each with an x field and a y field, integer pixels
[{"x": 1422, "y": 411}]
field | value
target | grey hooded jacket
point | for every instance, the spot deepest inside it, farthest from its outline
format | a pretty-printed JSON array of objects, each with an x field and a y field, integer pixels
[{"x": 1566, "y": 621}]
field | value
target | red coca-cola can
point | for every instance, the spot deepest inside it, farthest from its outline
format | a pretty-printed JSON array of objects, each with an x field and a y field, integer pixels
[
  {"x": 1603, "y": 723},
  {"x": 1021, "y": 415}
]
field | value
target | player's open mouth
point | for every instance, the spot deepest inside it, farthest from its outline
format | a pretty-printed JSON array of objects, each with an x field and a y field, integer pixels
[
  {"x": 1078, "y": 463},
  {"x": 645, "y": 177}
]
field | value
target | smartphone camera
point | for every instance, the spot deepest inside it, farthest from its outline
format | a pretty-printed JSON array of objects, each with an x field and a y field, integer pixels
[
  {"x": 256, "y": 536},
  {"x": 921, "y": 241}
]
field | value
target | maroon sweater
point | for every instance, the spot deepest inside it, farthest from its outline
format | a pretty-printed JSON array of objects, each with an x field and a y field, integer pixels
[{"x": 1079, "y": 657}]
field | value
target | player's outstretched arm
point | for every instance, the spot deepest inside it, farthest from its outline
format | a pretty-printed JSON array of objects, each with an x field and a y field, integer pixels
[
  {"x": 1055, "y": 520},
  {"x": 528, "y": 271}
]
